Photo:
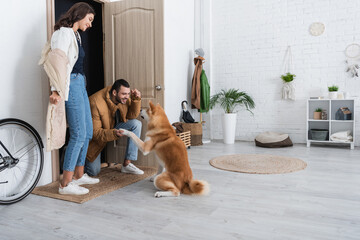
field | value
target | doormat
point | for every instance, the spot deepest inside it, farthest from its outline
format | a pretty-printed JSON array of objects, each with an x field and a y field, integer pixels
[
  {"x": 110, "y": 179},
  {"x": 258, "y": 163}
]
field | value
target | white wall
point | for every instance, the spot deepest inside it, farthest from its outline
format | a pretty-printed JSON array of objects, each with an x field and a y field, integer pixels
[
  {"x": 23, "y": 86},
  {"x": 179, "y": 54},
  {"x": 249, "y": 39}
]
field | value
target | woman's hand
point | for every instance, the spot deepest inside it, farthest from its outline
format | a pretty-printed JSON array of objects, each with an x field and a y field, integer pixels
[{"x": 54, "y": 97}]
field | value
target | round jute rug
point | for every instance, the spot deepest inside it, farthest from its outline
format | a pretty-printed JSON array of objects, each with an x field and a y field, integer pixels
[{"x": 258, "y": 163}]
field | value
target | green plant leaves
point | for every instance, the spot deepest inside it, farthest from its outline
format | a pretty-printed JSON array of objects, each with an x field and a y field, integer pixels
[
  {"x": 288, "y": 77},
  {"x": 229, "y": 99},
  {"x": 333, "y": 88}
]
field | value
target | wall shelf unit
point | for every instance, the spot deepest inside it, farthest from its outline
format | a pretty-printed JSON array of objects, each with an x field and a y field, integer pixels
[{"x": 331, "y": 125}]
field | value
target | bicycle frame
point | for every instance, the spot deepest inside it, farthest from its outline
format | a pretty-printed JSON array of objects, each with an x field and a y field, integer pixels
[{"x": 7, "y": 161}]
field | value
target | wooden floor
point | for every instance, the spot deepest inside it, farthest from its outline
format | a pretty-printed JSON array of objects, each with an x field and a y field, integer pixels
[{"x": 320, "y": 202}]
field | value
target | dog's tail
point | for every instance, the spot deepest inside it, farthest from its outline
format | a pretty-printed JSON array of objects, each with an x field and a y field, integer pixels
[{"x": 197, "y": 187}]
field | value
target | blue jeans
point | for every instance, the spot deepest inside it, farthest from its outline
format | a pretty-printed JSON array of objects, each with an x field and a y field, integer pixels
[
  {"x": 79, "y": 120},
  {"x": 133, "y": 125}
]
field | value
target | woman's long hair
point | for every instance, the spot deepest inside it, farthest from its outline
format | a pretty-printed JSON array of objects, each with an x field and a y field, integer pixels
[{"x": 77, "y": 12}]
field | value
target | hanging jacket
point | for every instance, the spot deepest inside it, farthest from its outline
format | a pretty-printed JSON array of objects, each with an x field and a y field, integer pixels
[
  {"x": 204, "y": 93},
  {"x": 195, "y": 89}
]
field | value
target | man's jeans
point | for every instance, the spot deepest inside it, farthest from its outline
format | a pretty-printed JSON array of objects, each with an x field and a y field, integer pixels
[
  {"x": 78, "y": 117},
  {"x": 133, "y": 125}
]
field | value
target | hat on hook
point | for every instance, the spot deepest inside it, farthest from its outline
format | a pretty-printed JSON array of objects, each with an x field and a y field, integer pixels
[{"x": 200, "y": 52}]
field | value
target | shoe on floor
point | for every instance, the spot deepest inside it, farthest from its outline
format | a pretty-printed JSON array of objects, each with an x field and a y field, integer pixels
[
  {"x": 132, "y": 169},
  {"x": 85, "y": 179},
  {"x": 73, "y": 189}
]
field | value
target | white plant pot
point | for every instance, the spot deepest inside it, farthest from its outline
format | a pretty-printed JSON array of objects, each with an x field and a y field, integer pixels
[
  {"x": 229, "y": 126},
  {"x": 333, "y": 95}
]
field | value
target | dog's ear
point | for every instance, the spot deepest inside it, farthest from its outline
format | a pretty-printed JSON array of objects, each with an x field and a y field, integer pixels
[{"x": 152, "y": 106}]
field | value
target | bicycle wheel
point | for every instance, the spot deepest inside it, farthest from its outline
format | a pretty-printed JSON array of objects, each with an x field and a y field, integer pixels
[{"x": 18, "y": 178}]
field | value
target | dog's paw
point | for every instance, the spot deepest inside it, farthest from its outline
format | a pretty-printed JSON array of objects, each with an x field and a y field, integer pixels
[
  {"x": 124, "y": 132},
  {"x": 166, "y": 194},
  {"x": 158, "y": 194}
]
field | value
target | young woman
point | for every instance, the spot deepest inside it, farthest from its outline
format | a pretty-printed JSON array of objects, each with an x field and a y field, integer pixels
[{"x": 67, "y": 60}]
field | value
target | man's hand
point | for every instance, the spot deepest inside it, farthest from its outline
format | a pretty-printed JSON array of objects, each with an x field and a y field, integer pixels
[
  {"x": 54, "y": 98},
  {"x": 119, "y": 132},
  {"x": 135, "y": 93},
  {"x": 124, "y": 132}
]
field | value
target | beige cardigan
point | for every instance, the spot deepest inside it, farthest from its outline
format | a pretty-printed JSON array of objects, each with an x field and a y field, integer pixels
[
  {"x": 58, "y": 60},
  {"x": 55, "y": 66}
]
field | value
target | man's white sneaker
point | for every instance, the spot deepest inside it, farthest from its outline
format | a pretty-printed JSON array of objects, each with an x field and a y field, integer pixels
[
  {"x": 132, "y": 169},
  {"x": 73, "y": 189},
  {"x": 85, "y": 179}
]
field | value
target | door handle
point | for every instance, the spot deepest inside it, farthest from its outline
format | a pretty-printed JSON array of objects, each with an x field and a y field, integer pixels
[{"x": 158, "y": 87}]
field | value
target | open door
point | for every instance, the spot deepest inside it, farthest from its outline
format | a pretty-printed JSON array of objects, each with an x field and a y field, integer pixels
[{"x": 134, "y": 51}]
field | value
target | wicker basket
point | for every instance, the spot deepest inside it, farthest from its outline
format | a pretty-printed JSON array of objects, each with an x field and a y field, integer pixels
[
  {"x": 185, "y": 137},
  {"x": 196, "y": 132}
]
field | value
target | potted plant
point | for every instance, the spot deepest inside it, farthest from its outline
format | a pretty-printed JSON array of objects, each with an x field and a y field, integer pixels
[
  {"x": 317, "y": 113},
  {"x": 229, "y": 100},
  {"x": 288, "y": 90},
  {"x": 333, "y": 91},
  {"x": 288, "y": 77}
]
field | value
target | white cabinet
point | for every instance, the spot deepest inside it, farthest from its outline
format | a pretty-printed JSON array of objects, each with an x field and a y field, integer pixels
[{"x": 319, "y": 131}]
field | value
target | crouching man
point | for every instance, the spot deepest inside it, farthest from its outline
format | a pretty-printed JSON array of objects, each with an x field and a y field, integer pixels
[{"x": 112, "y": 108}]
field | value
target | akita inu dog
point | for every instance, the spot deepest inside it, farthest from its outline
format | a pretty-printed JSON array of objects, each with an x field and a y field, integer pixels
[{"x": 171, "y": 153}]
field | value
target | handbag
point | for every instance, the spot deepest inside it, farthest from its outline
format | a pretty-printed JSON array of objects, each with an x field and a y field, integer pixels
[{"x": 186, "y": 116}]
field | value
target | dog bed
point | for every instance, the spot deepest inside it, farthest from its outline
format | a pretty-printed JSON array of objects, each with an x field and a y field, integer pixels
[{"x": 273, "y": 140}]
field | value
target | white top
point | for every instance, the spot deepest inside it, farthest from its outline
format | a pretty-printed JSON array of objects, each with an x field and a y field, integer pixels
[{"x": 65, "y": 40}]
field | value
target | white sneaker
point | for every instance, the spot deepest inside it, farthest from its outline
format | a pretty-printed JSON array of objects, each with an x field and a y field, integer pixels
[
  {"x": 132, "y": 169},
  {"x": 73, "y": 189},
  {"x": 85, "y": 179}
]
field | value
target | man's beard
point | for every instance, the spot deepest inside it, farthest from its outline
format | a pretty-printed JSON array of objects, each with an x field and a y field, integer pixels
[{"x": 118, "y": 100}]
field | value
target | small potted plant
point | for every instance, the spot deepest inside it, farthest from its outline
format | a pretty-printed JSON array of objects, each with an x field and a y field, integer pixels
[
  {"x": 228, "y": 100},
  {"x": 288, "y": 90},
  {"x": 288, "y": 77},
  {"x": 333, "y": 91},
  {"x": 317, "y": 113}
]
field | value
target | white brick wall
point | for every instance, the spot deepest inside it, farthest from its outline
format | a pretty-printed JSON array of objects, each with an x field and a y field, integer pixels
[{"x": 249, "y": 40}]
